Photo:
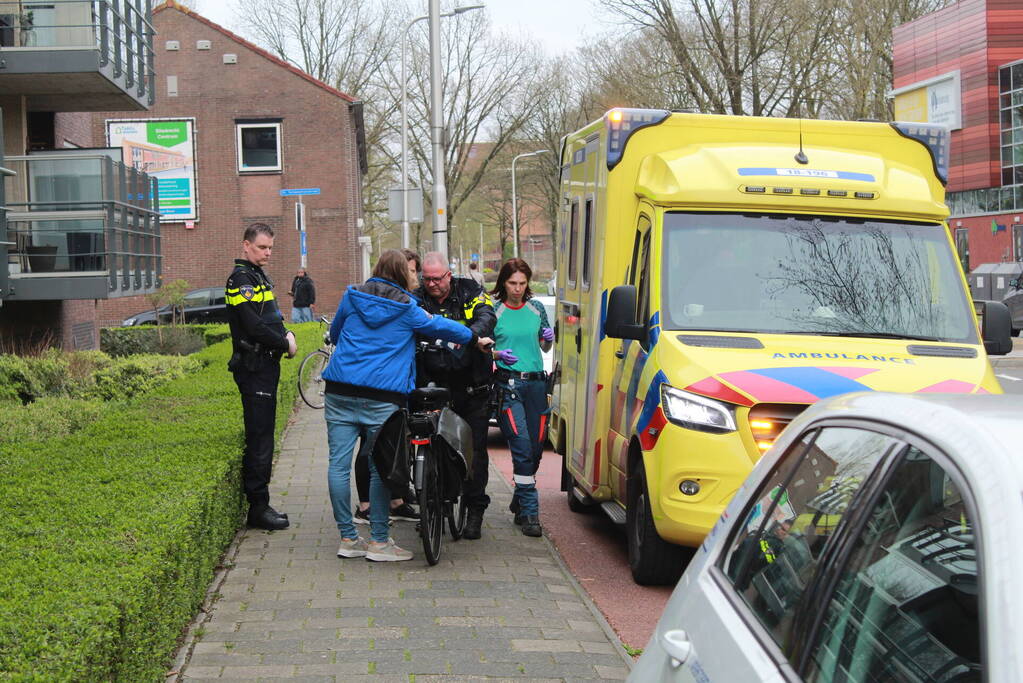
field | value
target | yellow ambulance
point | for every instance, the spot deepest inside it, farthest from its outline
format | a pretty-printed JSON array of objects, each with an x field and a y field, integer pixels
[{"x": 716, "y": 275}]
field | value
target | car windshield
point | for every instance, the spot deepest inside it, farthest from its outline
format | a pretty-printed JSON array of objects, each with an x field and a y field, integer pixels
[{"x": 813, "y": 275}]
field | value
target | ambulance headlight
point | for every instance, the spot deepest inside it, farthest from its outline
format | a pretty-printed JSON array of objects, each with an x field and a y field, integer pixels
[{"x": 696, "y": 412}]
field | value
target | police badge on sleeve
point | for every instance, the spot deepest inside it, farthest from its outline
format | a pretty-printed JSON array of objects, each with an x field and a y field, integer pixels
[{"x": 247, "y": 292}]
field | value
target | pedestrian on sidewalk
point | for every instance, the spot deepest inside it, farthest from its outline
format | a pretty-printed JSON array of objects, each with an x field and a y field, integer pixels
[
  {"x": 522, "y": 334},
  {"x": 369, "y": 376},
  {"x": 258, "y": 339},
  {"x": 304, "y": 293}
]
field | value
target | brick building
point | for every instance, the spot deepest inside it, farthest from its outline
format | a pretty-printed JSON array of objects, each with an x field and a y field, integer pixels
[
  {"x": 257, "y": 125},
  {"x": 963, "y": 66}
]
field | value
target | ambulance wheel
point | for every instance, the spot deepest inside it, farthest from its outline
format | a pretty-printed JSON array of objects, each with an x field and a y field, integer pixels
[
  {"x": 653, "y": 561},
  {"x": 1015, "y": 333}
]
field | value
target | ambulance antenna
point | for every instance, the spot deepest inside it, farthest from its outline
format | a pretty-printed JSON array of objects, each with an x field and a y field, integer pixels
[{"x": 801, "y": 157}]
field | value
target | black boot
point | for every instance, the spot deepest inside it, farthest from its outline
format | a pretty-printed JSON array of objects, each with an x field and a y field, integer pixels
[
  {"x": 515, "y": 508},
  {"x": 473, "y": 524},
  {"x": 531, "y": 526},
  {"x": 267, "y": 518},
  {"x": 279, "y": 514}
]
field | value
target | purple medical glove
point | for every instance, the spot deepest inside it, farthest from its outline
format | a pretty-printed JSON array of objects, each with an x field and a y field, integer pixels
[
  {"x": 548, "y": 334},
  {"x": 507, "y": 356}
]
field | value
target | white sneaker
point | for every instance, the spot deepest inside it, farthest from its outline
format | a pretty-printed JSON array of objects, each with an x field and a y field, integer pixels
[
  {"x": 386, "y": 552},
  {"x": 352, "y": 548}
]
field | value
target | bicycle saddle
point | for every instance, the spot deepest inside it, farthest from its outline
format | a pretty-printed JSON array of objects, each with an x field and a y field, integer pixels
[{"x": 429, "y": 397}]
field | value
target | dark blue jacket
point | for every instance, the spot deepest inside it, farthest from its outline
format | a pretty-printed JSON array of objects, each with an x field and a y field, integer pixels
[{"x": 374, "y": 331}]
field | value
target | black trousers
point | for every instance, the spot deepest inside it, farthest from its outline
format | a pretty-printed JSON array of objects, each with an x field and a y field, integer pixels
[
  {"x": 259, "y": 411},
  {"x": 474, "y": 410}
]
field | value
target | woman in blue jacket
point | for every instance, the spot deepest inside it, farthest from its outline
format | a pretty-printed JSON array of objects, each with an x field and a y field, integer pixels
[{"x": 370, "y": 374}]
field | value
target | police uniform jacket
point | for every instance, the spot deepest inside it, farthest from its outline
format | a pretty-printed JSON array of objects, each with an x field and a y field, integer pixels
[
  {"x": 467, "y": 366},
  {"x": 252, "y": 311}
]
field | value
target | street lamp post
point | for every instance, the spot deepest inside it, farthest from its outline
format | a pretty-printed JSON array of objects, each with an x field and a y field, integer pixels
[
  {"x": 404, "y": 116},
  {"x": 515, "y": 214}
]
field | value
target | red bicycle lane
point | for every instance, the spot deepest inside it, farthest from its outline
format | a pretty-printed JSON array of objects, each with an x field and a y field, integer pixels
[{"x": 594, "y": 550}]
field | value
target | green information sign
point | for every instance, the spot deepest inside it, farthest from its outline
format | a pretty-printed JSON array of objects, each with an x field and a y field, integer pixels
[{"x": 166, "y": 133}]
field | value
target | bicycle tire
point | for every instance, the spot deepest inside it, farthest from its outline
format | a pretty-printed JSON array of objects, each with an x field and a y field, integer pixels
[
  {"x": 311, "y": 386},
  {"x": 431, "y": 511},
  {"x": 457, "y": 512}
]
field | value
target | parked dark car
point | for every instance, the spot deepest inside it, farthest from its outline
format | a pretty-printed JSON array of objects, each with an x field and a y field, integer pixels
[
  {"x": 1014, "y": 300},
  {"x": 204, "y": 305}
]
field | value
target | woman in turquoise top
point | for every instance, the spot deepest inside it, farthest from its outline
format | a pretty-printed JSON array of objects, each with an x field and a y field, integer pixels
[{"x": 521, "y": 335}]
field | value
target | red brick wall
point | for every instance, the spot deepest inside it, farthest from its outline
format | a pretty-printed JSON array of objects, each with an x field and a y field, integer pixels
[
  {"x": 75, "y": 128},
  {"x": 976, "y": 37},
  {"x": 318, "y": 150}
]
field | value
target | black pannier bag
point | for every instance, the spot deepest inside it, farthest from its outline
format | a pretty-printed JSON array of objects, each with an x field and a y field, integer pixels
[
  {"x": 390, "y": 451},
  {"x": 452, "y": 446}
]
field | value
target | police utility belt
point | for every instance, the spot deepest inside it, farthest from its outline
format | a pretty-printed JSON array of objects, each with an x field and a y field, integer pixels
[
  {"x": 503, "y": 374},
  {"x": 251, "y": 356}
]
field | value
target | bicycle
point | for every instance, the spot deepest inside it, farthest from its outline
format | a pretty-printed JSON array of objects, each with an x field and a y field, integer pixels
[
  {"x": 311, "y": 386},
  {"x": 435, "y": 430}
]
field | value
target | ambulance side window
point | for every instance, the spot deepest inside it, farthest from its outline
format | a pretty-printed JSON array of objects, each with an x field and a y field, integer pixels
[
  {"x": 587, "y": 243},
  {"x": 573, "y": 242},
  {"x": 643, "y": 290}
]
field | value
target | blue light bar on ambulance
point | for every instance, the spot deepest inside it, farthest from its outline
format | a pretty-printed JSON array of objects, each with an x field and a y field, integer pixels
[
  {"x": 622, "y": 123},
  {"x": 934, "y": 137}
]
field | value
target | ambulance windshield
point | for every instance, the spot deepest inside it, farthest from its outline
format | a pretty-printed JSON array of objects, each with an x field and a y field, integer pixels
[{"x": 812, "y": 275}]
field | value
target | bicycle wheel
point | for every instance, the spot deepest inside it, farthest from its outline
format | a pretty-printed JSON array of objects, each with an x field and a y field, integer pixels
[
  {"x": 457, "y": 512},
  {"x": 310, "y": 378},
  {"x": 431, "y": 511}
]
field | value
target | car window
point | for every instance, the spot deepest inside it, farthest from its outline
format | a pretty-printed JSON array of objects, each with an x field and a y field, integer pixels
[
  {"x": 217, "y": 296},
  {"x": 790, "y": 522},
  {"x": 906, "y": 604},
  {"x": 198, "y": 298}
]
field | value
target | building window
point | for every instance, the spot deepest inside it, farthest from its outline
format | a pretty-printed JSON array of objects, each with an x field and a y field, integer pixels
[
  {"x": 963, "y": 248},
  {"x": 259, "y": 147},
  {"x": 1010, "y": 105}
]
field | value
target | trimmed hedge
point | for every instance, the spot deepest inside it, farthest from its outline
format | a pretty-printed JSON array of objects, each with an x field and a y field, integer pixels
[
  {"x": 86, "y": 374},
  {"x": 111, "y": 534},
  {"x": 173, "y": 340}
]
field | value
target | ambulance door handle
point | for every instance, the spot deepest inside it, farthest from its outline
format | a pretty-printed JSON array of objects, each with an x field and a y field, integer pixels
[{"x": 620, "y": 353}]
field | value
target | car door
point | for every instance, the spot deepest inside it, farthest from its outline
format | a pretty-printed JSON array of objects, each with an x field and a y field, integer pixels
[
  {"x": 197, "y": 306},
  {"x": 732, "y": 616},
  {"x": 218, "y": 306},
  {"x": 906, "y": 602}
]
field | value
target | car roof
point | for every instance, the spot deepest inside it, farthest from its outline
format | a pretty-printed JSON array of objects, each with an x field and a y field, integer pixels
[{"x": 981, "y": 432}]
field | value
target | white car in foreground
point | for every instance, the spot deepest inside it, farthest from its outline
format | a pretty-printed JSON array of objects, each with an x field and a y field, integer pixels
[{"x": 880, "y": 539}]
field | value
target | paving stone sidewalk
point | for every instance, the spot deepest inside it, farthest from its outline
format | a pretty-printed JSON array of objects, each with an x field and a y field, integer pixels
[{"x": 502, "y": 607}]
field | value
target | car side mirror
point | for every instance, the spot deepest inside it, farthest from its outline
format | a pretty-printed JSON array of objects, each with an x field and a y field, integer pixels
[
  {"x": 995, "y": 326},
  {"x": 620, "y": 322}
]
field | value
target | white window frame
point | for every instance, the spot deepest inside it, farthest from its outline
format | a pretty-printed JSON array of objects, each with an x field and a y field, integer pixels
[{"x": 239, "y": 127}]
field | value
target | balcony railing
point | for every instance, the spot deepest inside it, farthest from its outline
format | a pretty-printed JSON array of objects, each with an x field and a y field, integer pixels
[
  {"x": 120, "y": 32},
  {"x": 80, "y": 225}
]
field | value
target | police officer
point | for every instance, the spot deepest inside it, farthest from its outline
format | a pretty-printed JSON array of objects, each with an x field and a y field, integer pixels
[
  {"x": 466, "y": 371},
  {"x": 259, "y": 340}
]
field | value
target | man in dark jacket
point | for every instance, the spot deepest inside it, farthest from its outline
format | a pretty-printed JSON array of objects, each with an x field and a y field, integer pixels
[
  {"x": 466, "y": 371},
  {"x": 259, "y": 340},
  {"x": 304, "y": 292}
]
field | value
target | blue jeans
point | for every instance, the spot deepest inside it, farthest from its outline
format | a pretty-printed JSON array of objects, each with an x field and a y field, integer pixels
[
  {"x": 350, "y": 418},
  {"x": 523, "y": 419},
  {"x": 302, "y": 314}
]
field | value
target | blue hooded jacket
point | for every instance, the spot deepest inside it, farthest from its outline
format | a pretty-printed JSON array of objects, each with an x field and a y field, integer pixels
[{"x": 374, "y": 332}]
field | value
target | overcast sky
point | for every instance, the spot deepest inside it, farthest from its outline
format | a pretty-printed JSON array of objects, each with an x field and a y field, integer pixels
[{"x": 559, "y": 25}]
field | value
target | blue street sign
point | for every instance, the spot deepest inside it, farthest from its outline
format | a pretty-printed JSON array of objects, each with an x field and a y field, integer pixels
[
  {"x": 303, "y": 243},
  {"x": 475, "y": 257},
  {"x": 304, "y": 190}
]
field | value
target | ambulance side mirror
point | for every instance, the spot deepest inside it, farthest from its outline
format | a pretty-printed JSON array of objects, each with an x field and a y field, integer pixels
[
  {"x": 995, "y": 326},
  {"x": 621, "y": 315}
]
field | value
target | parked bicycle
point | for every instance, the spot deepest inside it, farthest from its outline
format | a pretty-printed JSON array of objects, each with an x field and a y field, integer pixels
[
  {"x": 311, "y": 386},
  {"x": 429, "y": 446}
]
